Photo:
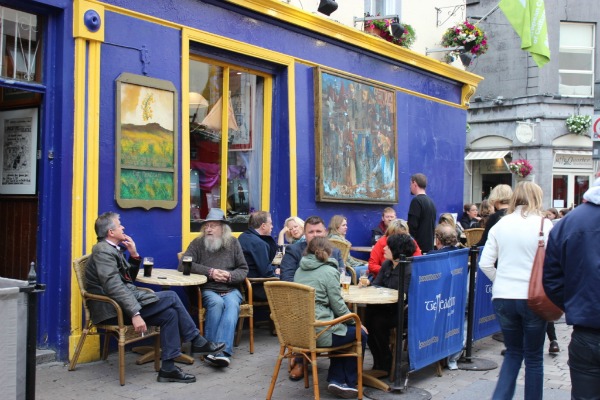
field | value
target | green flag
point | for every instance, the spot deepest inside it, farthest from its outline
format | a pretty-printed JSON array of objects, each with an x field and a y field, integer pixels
[{"x": 528, "y": 17}]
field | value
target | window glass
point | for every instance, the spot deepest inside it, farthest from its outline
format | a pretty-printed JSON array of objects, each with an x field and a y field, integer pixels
[
  {"x": 582, "y": 184},
  {"x": 20, "y": 45},
  {"x": 559, "y": 191},
  {"x": 242, "y": 109},
  {"x": 576, "y": 59}
]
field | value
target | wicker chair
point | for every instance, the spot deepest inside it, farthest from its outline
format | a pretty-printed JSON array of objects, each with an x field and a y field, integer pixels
[
  {"x": 246, "y": 311},
  {"x": 473, "y": 235},
  {"x": 344, "y": 248},
  {"x": 293, "y": 311},
  {"x": 125, "y": 334}
]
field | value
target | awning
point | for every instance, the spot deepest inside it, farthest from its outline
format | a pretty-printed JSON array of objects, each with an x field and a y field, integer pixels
[{"x": 486, "y": 155}]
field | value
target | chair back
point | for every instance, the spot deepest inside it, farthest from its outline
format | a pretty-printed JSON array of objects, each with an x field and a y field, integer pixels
[
  {"x": 79, "y": 266},
  {"x": 293, "y": 312},
  {"x": 343, "y": 246},
  {"x": 473, "y": 235}
]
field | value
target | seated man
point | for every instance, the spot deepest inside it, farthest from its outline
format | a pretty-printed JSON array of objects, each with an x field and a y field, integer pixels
[
  {"x": 446, "y": 239},
  {"x": 388, "y": 215},
  {"x": 259, "y": 250},
  {"x": 313, "y": 227},
  {"x": 219, "y": 256},
  {"x": 108, "y": 273}
]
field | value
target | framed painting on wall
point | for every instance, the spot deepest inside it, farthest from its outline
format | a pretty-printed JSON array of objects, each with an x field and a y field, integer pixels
[
  {"x": 18, "y": 140},
  {"x": 355, "y": 137},
  {"x": 146, "y": 142}
]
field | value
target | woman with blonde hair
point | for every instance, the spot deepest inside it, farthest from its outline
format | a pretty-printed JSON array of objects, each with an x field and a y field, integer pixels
[
  {"x": 377, "y": 256},
  {"x": 499, "y": 198},
  {"x": 513, "y": 242},
  {"x": 292, "y": 231},
  {"x": 338, "y": 227}
]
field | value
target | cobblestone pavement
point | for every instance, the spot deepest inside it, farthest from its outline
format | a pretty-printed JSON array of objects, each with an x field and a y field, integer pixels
[{"x": 249, "y": 375}]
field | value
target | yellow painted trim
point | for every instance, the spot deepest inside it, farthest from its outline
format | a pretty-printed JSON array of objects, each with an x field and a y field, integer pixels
[
  {"x": 313, "y": 21},
  {"x": 224, "y": 136},
  {"x": 80, "y": 7},
  {"x": 93, "y": 143},
  {"x": 292, "y": 136},
  {"x": 186, "y": 235},
  {"x": 91, "y": 350},
  {"x": 266, "y": 145}
]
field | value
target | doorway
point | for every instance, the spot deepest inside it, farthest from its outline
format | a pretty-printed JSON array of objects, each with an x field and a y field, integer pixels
[{"x": 489, "y": 181}]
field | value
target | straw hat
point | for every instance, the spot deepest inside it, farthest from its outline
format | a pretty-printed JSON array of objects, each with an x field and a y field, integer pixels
[{"x": 215, "y": 214}]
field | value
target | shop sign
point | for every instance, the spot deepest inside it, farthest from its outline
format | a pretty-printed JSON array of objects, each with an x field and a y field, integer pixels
[
  {"x": 573, "y": 161},
  {"x": 492, "y": 167}
]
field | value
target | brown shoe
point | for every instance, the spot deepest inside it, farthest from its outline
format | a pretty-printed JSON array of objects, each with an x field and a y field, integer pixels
[{"x": 297, "y": 372}]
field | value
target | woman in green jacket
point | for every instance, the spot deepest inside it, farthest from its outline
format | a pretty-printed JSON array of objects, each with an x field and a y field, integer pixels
[{"x": 320, "y": 271}]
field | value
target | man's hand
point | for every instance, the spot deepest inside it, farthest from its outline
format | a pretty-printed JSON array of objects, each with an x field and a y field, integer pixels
[
  {"x": 130, "y": 245},
  {"x": 139, "y": 324},
  {"x": 220, "y": 275}
]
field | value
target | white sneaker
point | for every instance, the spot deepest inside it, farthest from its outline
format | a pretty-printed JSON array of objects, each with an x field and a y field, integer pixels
[
  {"x": 218, "y": 360},
  {"x": 452, "y": 365}
]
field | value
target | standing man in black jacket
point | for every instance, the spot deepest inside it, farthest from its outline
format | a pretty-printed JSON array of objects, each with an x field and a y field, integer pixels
[
  {"x": 108, "y": 273},
  {"x": 422, "y": 214}
]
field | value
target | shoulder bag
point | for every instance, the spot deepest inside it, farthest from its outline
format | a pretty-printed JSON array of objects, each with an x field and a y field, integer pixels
[{"x": 537, "y": 300}]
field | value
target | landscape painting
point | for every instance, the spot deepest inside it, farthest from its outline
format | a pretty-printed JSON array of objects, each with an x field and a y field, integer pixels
[
  {"x": 356, "y": 140},
  {"x": 146, "y": 133}
]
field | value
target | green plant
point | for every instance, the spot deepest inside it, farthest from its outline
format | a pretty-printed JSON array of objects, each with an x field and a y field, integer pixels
[
  {"x": 579, "y": 124},
  {"x": 406, "y": 40},
  {"x": 467, "y": 35}
]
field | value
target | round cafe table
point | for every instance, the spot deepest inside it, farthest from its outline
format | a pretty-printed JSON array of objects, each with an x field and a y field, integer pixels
[
  {"x": 165, "y": 278},
  {"x": 372, "y": 295}
]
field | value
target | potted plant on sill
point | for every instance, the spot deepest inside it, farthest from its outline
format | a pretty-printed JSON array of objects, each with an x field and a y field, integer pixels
[
  {"x": 469, "y": 36},
  {"x": 579, "y": 124},
  {"x": 521, "y": 168},
  {"x": 382, "y": 28}
]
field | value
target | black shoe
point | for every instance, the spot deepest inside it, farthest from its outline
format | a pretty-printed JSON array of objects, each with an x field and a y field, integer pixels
[
  {"x": 176, "y": 375},
  {"x": 554, "y": 347},
  {"x": 208, "y": 348},
  {"x": 218, "y": 360},
  {"x": 503, "y": 352}
]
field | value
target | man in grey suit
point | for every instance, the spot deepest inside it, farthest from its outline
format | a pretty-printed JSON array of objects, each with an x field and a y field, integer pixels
[{"x": 108, "y": 273}]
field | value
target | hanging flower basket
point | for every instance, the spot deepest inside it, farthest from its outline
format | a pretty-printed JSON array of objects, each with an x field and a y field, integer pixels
[
  {"x": 470, "y": 37},
  {"x": 381, "y": 28},
  {"x": 521, "y": 168},
  {"x": 579, "y": 124}
]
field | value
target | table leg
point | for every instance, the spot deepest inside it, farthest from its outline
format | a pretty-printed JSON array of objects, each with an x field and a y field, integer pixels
[{"x": 371, "y": 379}]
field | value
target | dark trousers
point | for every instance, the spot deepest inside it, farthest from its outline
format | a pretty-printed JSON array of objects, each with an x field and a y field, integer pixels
[
  {"x": 584, "y": 363},
  {"x": 551, "y": 331},
  {"x": 175, "y": 323},
  {"x": 343, "y": 369},
  {"x": 380, "y": 320}
]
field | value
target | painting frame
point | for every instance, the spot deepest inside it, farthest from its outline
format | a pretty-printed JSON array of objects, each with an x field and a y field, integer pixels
[
  {"x": 356, "y": 151},
  {"x": 146, "y": 132},
  {"x": 18, "y": 159}
]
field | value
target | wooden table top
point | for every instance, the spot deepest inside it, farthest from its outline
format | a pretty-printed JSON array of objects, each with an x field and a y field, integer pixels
[
  {"x": 170, "y": 277},
  {"x": 364, "y": 249},
  {"x": 370, "y": 295}
]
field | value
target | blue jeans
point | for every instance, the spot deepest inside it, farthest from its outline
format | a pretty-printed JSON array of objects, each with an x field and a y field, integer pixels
[
  {"x": 175, "y": 323},
  {"x": 584, "y": 363},
  {"x": 361, "y": 269},
  {"x": 222, "y": 313},
  {"x": 524, "y": 334},
  {"x": 343, "y": 369}
]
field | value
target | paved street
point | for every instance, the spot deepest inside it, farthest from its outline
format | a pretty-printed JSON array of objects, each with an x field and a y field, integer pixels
[{"x": 249, "y": 375}]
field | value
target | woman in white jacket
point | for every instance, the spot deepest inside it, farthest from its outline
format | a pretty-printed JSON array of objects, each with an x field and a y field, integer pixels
[{"x": 513, "y": 243}]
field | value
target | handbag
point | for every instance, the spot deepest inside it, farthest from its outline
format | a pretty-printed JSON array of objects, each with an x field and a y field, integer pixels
[{"x": 537, "y": 300}]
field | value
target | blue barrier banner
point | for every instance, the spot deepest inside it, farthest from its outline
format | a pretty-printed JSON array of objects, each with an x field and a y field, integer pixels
[
  {"x": 437, "y": 299},
  {"x": 485, "y": 322}
]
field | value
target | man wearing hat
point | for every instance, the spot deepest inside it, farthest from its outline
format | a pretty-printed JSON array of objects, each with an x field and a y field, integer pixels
[{"x": 219, "y": 256}]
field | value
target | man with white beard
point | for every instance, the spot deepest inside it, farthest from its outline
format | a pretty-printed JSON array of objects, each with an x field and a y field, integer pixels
[{"x": 219, "y": 256}]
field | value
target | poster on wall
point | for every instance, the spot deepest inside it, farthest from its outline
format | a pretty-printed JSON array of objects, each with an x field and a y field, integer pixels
[
  {"x": 356, "y": 141},
  {"x": 146, "y": 133},
  {"x": 18, "y": 135}
]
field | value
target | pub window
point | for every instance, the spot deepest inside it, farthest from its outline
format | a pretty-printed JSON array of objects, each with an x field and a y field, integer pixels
[
  {"x": 382, "y": 7},
  {"x": 225, "y": 102},
  {"x": 20, "y": 45},
  {"x": 576, "y": 59}
]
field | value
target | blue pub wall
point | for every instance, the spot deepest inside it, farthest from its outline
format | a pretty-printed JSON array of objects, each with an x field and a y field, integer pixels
[{"x": 431, "y": 135}]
